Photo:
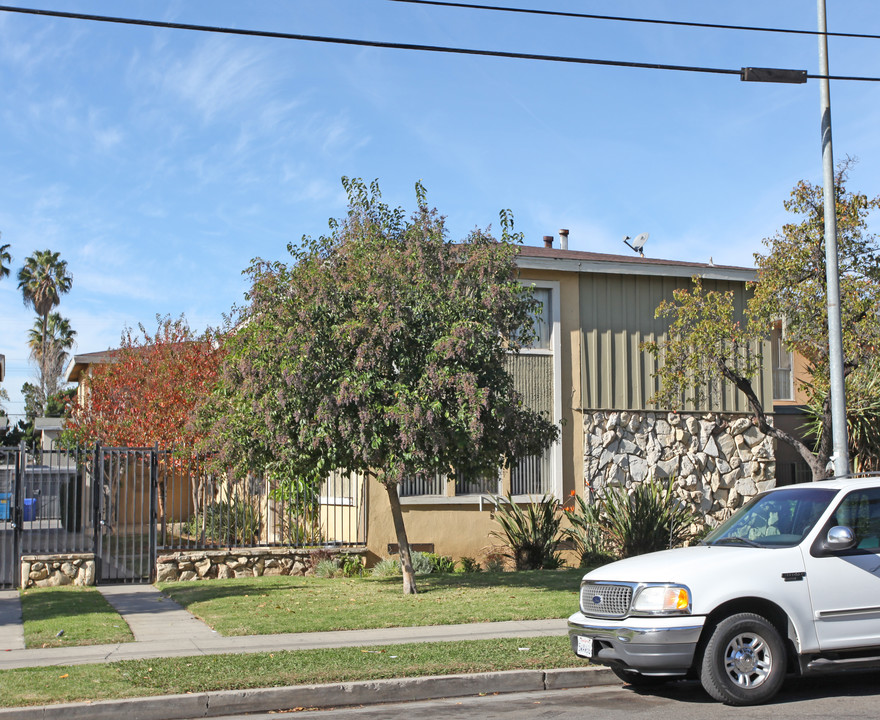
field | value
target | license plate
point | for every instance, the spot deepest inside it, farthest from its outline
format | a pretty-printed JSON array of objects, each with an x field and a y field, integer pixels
[{"x": 585, "y": 646}]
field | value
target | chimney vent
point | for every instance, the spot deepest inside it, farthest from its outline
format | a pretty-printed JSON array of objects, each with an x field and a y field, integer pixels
[
  {"x": 548, "y": 241},
  {"x": 563, "y": 239}
]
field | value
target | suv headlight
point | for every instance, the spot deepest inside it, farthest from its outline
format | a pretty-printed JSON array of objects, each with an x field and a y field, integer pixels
[{"x": 662, "y": 600}]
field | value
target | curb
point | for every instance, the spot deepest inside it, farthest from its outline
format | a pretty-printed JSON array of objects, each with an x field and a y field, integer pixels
[{"x": 370, "y": 692}]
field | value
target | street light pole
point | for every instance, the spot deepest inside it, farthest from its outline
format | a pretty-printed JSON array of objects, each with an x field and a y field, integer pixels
[{"x": 837, "y": 386}]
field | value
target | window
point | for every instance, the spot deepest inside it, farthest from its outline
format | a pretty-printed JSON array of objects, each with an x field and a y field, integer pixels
[
  {"x": 465, "y": 485},
  {"x": 536, "y": 373},
  {"x": 777, "y": 519},
  {"x": 783, "y": 388},
  {"x": 422, "y": 485},
  {"x": 860, "y": 510},
  {"x": 542, "y": 320}
]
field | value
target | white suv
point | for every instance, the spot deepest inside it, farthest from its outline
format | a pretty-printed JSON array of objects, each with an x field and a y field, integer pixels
[{"x": 790, "y": 583}]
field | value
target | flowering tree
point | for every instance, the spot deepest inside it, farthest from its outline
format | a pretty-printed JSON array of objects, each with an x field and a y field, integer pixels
[
  {"x": 380, "y": 350},
  {"x": 707, "y": 341},
  {"x": 148, "y": 391}
]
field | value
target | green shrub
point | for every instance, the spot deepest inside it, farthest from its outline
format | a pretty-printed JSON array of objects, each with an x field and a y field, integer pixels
[
  {"x": 531, "y": 533},
  {"x": 327, "y": 568},
  {"x": 469, "y": 565},
  {"x": 234, "y": 522},
  {"x": 441, "y": 563},
  {"x": 386, "y": 567},
  {"x": 422, "y": 563},
  {"x": 586, "y": 533},
  {"x": 646, "y": 520},
  {"x": 352, "y": 566}
]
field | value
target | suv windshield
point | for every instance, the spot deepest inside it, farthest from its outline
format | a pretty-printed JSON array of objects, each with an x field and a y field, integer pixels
[{"x": 776, "y": 519}]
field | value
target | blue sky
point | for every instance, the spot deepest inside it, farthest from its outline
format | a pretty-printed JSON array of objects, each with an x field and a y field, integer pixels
[{"x": 158, "y": 162}]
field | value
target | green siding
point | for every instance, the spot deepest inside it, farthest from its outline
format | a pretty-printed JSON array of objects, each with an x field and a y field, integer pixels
[
  {"x": 533, "y": 379},
  {"x": 617, "y": 316}
]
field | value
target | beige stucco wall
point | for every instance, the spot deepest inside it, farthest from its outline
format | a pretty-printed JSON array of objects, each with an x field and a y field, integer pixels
[{"x": 455, "y": 529}]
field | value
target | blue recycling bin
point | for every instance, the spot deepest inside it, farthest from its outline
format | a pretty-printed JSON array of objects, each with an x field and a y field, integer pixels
[
  {"x": 31, "y": 509},
  {"x": 5, "y": 500}
]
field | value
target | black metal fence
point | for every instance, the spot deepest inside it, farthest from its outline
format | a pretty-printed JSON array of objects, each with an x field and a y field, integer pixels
[{"x": 127, "y": 505}]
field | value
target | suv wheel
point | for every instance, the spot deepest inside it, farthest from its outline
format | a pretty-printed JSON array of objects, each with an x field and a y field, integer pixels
[{"x": 744, "y": 662}]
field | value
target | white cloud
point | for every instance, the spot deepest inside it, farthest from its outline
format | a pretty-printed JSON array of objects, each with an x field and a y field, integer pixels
[{"x": 218, "y": 78}]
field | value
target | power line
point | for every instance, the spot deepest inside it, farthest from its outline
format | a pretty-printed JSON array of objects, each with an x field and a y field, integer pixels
[
  {"x": 398, "y": 46},
  {"x": 649, "y": 21}
]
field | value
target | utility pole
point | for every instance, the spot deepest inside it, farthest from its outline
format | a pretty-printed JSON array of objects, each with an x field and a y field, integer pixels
[{"x": 837, "y": 386}]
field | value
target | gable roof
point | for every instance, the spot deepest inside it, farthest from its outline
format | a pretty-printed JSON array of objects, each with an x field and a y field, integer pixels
[
  {"x": 81, "y": 361},
  {"x": 544, "y": 258}
]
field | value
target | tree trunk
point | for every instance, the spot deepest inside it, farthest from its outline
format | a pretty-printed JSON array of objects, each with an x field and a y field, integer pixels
[
  {"x": 817, "y": 463},
  {"x": 43, "y": 363},
  {"x": 409, "y": 577}
]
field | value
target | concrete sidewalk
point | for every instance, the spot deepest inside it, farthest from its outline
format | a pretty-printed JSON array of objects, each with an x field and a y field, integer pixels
[
  {"x": 162, "y": 628},
  {"x": 11, "y": 633}
]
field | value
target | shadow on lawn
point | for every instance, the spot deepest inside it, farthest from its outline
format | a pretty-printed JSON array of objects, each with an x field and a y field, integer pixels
[
  {"x": 191, "y": 593},
  {"x": 64, "y": 602}
]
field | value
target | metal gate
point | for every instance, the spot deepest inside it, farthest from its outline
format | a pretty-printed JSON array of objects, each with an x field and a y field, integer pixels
[
  {"x": 10, "y": 535},
  {"x": 44, "y": 507},
  {"x": 124, "y": 497},
  {"x": 125, "y": 505},
  {"x": 71, "y": 501}
]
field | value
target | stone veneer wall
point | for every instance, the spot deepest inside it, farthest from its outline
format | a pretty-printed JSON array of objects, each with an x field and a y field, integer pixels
[
  {"x": 55, "y": 570},
  {"x": 239, "y": 562},
  {"x": 717, "y": 460}
]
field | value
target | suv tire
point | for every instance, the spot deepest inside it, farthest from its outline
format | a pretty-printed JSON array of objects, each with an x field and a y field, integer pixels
[{"x": 744, "y": 662}]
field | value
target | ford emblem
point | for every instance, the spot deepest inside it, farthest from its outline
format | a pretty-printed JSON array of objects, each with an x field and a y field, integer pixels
[{"x": 597, "y": 599}]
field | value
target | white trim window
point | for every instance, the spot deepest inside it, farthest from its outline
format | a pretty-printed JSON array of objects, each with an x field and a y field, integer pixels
[
  {"x": 781, "y": 362},
  {"x": 537, "y": 373}
]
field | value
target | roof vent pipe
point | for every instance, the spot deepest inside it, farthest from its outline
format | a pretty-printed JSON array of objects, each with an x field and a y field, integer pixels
[
  {"x": 563, "y": 239},
  {"x": 548, "y": 241}
]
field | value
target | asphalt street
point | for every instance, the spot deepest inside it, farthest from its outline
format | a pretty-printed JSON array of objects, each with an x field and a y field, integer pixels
[{"x": 840, "y": 697}]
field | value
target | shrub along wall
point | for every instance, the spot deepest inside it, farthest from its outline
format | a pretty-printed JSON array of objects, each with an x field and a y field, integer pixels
[
  {"x": 241, "y": 562},
  {"x": 717, "y": 460}
]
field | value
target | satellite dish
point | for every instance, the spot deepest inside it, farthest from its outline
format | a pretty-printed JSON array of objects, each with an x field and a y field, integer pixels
[{"x": 638, "y": 243}]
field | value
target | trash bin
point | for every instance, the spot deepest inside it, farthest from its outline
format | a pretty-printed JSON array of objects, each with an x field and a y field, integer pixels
[
  {"x": 31, "y": 509},
  {"x": 5, "y": 500},
  {"x": 70, "y": 492}
]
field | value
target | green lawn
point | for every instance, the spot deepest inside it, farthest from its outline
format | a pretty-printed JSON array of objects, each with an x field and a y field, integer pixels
[
  {"x": 136, "y": 678},
  {"x": 81, "y": 613},
  {"x": 259, "y": 606}
]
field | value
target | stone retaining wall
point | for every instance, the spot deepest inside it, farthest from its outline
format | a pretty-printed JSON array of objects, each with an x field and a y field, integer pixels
[
  {"x": 56, "y": 570},
  {"x": 240, "y": 562},
  {"x": 717, "y": 460}
]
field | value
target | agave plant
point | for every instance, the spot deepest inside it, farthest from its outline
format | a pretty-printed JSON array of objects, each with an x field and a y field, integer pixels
[
  {"x": 862, "y": 415},
  {"x": 586, "y": 533},
  {"x": 646, "y": 520},
  {"x": 531, "y": 533}
]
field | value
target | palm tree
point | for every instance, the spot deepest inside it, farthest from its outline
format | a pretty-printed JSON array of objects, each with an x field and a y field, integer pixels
[
  {"x": 59, "y": 335},
  {"x": 42, "y": 281},
  {"x": 5, "y": 259},
  {"x": 59, "y": 339}
]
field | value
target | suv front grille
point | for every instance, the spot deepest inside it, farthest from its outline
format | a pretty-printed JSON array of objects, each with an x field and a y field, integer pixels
[{"x": 605, "y": 599}]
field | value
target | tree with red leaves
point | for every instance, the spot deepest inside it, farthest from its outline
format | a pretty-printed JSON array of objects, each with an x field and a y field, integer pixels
[{"x": 148, "y": 391}]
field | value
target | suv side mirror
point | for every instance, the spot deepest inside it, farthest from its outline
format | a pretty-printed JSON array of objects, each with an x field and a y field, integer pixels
[{"x": 840, "y": 537}]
